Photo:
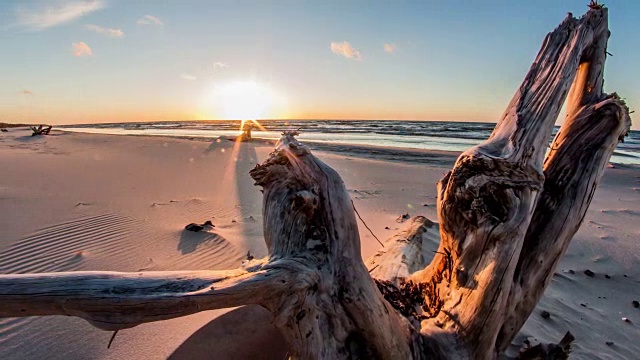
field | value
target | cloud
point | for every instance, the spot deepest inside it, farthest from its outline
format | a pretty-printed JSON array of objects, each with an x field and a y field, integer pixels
[
  {"x": 63, "y": 12},
  {"x": 188, "y": 77},
  {"x": 220, "y": 65},
  {"x": 81, "y": 49},
  {"x": 389, "y": 48},
  {"x": 114, "y": 33},
  {"x": 345, "y": 49},
  {"x": 26, "y": 92},
  {"x": 149, "y": 20}
]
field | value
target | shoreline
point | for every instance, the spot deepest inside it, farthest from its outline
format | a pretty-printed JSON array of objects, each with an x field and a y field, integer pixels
[
  {"x": 429, "y": 157},
  {"x": 382, "y": 153}
]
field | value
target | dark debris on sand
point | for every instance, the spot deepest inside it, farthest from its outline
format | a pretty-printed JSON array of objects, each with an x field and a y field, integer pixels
[
  {"x": 197, "y": 227},
  {"x": 589, "y": 273}
]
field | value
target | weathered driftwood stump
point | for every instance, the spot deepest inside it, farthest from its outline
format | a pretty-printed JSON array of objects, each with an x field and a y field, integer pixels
[
  {"x": 506, "y": 215},
  {"x": 40, "y": 130},
  {"x": 246, "y": 132}
]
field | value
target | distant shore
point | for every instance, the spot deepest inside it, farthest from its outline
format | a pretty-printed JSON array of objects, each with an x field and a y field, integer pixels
[{"x": 9, "y": 125}]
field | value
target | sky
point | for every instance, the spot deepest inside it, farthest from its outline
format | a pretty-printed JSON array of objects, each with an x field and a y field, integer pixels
[{"x": 73, "y": 61}]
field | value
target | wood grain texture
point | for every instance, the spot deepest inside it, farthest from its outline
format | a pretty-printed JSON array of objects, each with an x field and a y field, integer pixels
[
  {"x": 489, "y": 271},
  {"x": 308, "y": 215}
]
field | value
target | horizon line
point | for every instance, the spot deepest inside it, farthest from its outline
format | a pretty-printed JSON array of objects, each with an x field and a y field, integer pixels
[{"x": 268, "y": 119}]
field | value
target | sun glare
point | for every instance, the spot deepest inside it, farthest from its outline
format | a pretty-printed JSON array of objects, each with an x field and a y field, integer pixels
[{"x": 244, "y": 100}]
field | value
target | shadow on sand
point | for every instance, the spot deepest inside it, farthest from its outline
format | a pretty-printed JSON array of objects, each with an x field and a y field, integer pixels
[
  {"x": 250, "y": 198},
  {"x": 243, "y": 333},
  {"x": 247, "y": 197},
  {"x": 189, "y": 240},
  {"x": 246, "y": 332}
]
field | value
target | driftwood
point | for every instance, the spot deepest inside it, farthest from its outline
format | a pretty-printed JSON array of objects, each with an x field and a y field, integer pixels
[
  {"x": 246, "y": 131},
  {"x": 40, "y": 130},
  {"x": 506, "y": 216}
]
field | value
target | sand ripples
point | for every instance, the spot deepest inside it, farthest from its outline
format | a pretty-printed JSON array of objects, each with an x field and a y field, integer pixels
[{"x": 65, "y": 246}]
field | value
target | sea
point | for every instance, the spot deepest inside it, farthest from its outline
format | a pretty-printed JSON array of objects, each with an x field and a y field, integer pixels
[{"x": 430, "y": 135}]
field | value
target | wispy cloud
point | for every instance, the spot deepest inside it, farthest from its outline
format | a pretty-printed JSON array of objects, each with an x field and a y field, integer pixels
[
  {"x": 149, "y": 20},
  {"x": 220, "y": 65},
  {"x": 345, "y": 49},
  {"x": 44, "y": 17},
  {"x": 26, "y": 92},
  {"x": 81, "y": 49},
  {"x": 188, "y": 77},
  {"x": 114, "y": 33},
  {"x": 389, "y": 48}
]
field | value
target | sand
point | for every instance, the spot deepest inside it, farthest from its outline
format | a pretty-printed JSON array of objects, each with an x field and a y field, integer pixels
[{"x": 71, "y": 201}]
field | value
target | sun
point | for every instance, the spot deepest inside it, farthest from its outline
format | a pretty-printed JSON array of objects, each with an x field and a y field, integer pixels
[{"x": 244, "y": 100}]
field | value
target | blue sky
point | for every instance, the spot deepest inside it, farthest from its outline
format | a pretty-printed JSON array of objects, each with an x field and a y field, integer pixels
[{"x": 72, "y": 61}]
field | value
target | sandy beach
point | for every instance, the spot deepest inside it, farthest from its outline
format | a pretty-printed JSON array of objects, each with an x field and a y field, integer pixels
[{"x": 72, "y": 201}]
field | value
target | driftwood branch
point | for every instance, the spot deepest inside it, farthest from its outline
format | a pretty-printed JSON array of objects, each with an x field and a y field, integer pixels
[
  {"x": 573, "y": 169},
  {"x": 112, "y": 300},
  {"x": 491, "y": 253},
  {"x": 594, "y": 125}
]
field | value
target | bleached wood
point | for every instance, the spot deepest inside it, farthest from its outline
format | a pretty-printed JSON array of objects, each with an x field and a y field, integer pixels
[
  {"x": 573, "y": 169},
  {"x": 403, "y": 253},
  {"x": 522, "y": 133},
  {"x": 486, "y": 203},
  {"x": 308, "y": 213},
  {"x": 114, "y": 300},
  {"x": 594, "y": 125}
]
